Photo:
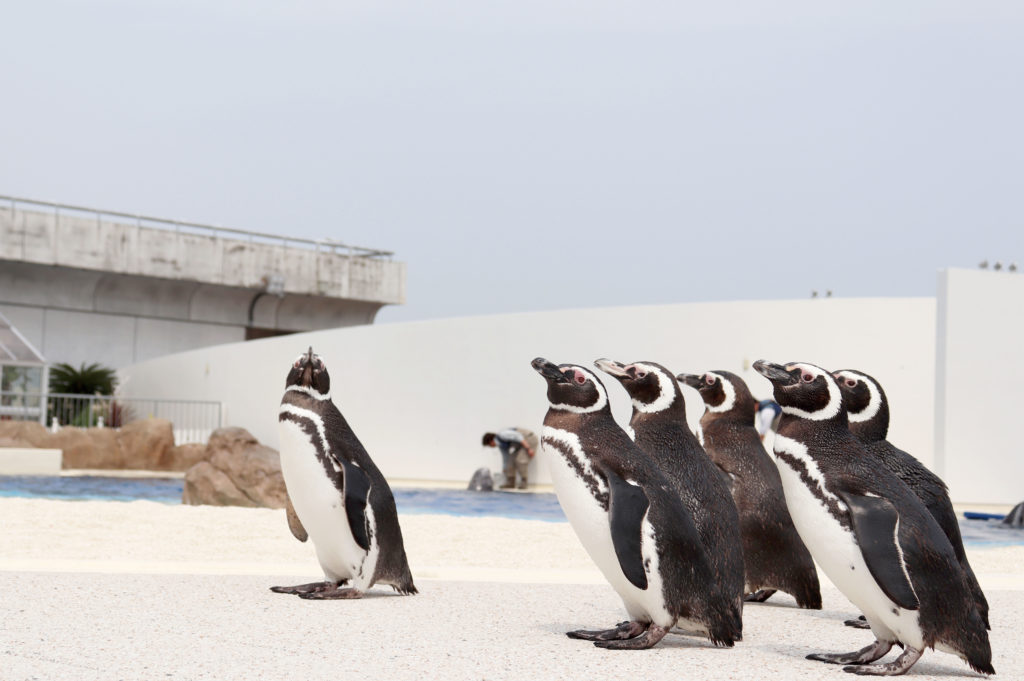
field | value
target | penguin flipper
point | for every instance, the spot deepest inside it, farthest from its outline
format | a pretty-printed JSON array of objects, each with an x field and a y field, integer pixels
[
  {"x": 294, "y": 524},
  {"x": 875, "y": 524},
  {"x": 627, "y": 506},
  {"x": 356, "y": 491}
]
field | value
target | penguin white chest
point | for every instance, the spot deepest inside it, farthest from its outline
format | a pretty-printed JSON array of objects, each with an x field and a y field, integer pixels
[
  {"x": 835, "y": 547},
  {"x": 321, "y": 508},
  {"x": 570, "y": 470}
]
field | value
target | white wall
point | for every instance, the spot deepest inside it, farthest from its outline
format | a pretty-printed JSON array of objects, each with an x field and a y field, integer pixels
[
  {"x": 420, "y": 395},
  {"x": 980, "y": 372}
]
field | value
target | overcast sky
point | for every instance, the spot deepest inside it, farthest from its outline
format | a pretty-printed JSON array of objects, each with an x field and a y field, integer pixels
[{"x": 535, "y": 154}]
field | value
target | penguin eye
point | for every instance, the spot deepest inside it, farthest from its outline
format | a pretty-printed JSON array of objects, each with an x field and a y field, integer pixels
[
  {"x": 320, "y": 362},
  {"x": 710, "y": 380},
  {"x": 579, "y": 377},
  {"x": 850, "y": 383},
  {"x": 296, "y": 365},
  {"x": 640, "y": 373},
  {"x": 807, "y": 377}
]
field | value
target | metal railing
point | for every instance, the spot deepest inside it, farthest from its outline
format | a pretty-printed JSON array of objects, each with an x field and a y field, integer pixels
[
  {"x": 216, "y": 230},
  {"x": 193, "y": 421}
]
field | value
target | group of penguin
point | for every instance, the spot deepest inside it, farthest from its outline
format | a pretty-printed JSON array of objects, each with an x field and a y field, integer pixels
[{"x": 687, "y": 527}]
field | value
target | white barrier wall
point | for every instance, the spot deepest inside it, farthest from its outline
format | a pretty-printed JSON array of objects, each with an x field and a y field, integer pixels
[
  {"x": 420, "y": 395},
  {"x": 980, "y": 379}
]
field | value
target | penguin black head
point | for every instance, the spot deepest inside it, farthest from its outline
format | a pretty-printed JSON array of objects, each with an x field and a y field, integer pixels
[
  {"x": 572, "y": 387},
  {"x": 717, "y": 391},
  {"x": 865, "y": 402},
  {"x": 309, "y": 374},
  {"x": 649, "y": 385},
  {"x": 803, "y": 390}
]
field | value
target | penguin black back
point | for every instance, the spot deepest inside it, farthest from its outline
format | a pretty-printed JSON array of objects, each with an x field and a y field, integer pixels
[
  {"x": 774, "y": 555},
  {"x": 660, "y": 429},
  {"x": 308, "y": 405},
  {"x": 634, "y": 527},
  {"x": 868, "y": 411},
  {"x": 869, "y": 531}
]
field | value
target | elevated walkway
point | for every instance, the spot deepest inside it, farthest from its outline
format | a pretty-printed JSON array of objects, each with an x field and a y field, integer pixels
[{"x": 85, "y": 284}]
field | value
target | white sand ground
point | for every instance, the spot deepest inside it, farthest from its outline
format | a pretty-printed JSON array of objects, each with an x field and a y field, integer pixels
[{"x": 108, "y": 590}]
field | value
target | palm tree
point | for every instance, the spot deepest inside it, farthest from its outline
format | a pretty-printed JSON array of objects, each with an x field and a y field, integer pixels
[{"x": 91, "y": 379}]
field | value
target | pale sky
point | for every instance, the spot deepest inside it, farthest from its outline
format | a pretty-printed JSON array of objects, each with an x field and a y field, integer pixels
[{"x": 528, "y": 155}]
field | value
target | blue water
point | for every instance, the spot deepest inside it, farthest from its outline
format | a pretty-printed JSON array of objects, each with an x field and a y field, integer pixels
[
  {"x": 92, "y": 488},
  {"x": 989, "y": 533},
  {"x": 523, "y": 506},
  {"x": 520, "y": 505},
  {"x": 168, "y": 491}
]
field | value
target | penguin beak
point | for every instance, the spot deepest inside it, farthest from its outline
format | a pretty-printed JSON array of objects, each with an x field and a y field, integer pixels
[
  {"x": 612, "y": 368},
  {"x": 692, "y": 380},
  {"x": 309, "y": 355},
  {"x": 776, "y": 373},
  {"x": 548, "y": 370}
]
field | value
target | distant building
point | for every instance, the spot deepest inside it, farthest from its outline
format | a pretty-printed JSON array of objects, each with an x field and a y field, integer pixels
[{"x": 85, "y": 285}]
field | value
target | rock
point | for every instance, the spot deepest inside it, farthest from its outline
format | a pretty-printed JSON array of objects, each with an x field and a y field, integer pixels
[
  {"x": 205, "y": 484},
  {"x": 145, "y": 444},
  {"x": 86, "y": 447},
  {"x": 237, "y": 471},
  {"x": 30, "y": 432},
  {"x": 182, "y": 457}
]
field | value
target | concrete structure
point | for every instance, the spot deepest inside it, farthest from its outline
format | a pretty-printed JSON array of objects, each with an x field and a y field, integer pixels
[
  {"x": 97, "y": 286},
  {"x": 420, "y": 395},
  {"x": 15, "y": 461},
  {"x": 979, "y": 423}
]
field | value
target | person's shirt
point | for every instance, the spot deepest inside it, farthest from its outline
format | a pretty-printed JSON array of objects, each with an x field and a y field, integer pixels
[
  {"x": 767, "y": 412},
  {"x": 506, "y": 438}
]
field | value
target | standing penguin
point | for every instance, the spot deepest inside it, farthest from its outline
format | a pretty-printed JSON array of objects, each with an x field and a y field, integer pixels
[
  {"x": 633, "y": 526},
  {"x": 774, "y": 557},
  {"x": 870, "y": 534},
  {"x": 868, "y": 410},
  {"x": 658, "y": 426},
  {"x": 340, "y": 498}
]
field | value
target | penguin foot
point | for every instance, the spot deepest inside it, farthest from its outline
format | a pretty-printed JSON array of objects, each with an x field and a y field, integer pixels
[
  {"x": 759, "y": 596},
  {"x": 898, "y": 666},
  {"x": 312, "y": 587},
  {"x": 623, "y": 630},
  {"x": 863, "y": 656},
  {"x": 332, "y": 595},
  {"x": 648, "y": 639},
  {"x": 859, "y": 623}
]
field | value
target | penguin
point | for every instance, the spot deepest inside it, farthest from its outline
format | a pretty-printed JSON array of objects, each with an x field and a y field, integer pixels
[
  {"x": 340, "y": 499},
  {"x": 658, "y": 426},
  {"x": 628, "y": 519},
  {"x": 868, "y": 411},
  {"x": 868, "y": 531},
  {"x": 774, "y": 556}
]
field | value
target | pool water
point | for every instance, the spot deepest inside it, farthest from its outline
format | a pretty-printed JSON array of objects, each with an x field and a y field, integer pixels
[
  {"x": 519, "y": 505},
  {"x": 456, "y": 502},
  {"x": 990, "y": 533},
  {"x": 92, "y": 488}
]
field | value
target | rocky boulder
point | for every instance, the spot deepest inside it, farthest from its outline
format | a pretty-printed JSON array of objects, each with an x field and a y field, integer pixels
[
  {"x": 145, "y": 445},
  {"x": 182, "y": 457},
  {"x": 87, "y": 447},
  {"x": 26, "y": 433},
  {"x": 236, "y": 471}
]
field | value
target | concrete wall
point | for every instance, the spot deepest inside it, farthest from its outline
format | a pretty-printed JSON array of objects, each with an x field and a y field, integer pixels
[
  {"x": 980, "y": 375},
  {"x": 94, "y": 243},
  {"x": 420, "y": 395},
  {"x": 84, "y": 289}
]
